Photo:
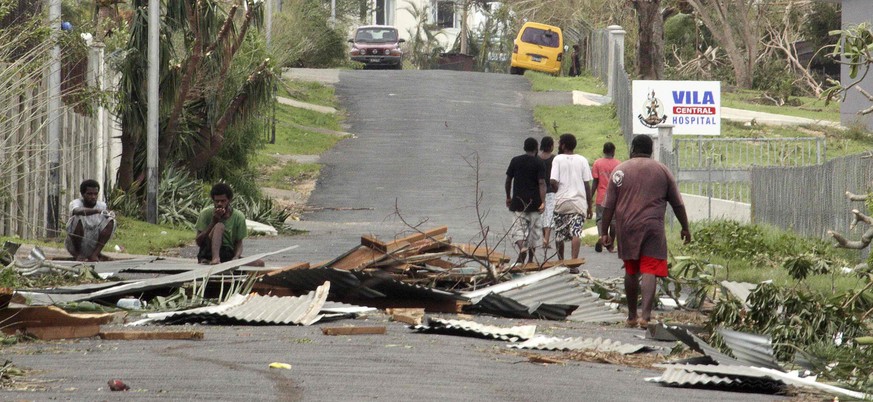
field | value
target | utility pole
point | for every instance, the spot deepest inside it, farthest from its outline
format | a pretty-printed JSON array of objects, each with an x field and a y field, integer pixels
[
  {"x": 152, "y": 117},
  {"x": 54, "y": 121}
]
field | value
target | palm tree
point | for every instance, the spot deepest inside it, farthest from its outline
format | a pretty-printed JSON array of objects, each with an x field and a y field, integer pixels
[{"x": 214, "y": 78}]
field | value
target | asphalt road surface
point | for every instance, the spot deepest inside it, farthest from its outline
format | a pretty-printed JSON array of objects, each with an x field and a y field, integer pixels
[{"x": 417, "y": 137}]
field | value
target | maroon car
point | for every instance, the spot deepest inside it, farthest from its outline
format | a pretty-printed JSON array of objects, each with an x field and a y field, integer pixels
[{"x": 377, "y": 46}]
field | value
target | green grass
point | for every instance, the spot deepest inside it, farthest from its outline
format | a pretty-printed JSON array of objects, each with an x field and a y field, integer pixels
[
  {"x": 592, "y": 126},
  {"x": 135, "y": 237},
  {"x": 584, "y": 83},
  {"x": 768, "y": 266},
  {"x": 287, "y": 174},
  {"x": 808, "y": 107},
  {"x": 293, "y": 140},
  {"x": 309, "y": 92}
]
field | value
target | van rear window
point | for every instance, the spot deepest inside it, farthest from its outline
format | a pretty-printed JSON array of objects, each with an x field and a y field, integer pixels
[{"x": 540, "y": 37}]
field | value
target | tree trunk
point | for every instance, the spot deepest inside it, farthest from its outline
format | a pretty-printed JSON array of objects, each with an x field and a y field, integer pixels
[
  {"x": 650, "y": 53},
  {"x": 125, "y": 164}
]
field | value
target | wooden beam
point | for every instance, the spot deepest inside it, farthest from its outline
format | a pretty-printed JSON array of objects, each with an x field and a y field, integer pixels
[
  {"x": 150, "y": 335},
  {"x": 411, "y": 316},
  {"x": 51, "y": 316},
  {"x": 292, "y": 267},
  {"x": 427, "y": 234},
  {"x": 559, "y": 263},
  {"x": 353, "y": 330},
  {"x": 63, "y": 332}
]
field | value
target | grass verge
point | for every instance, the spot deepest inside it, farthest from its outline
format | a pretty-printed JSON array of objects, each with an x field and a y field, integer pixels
[
  {"x": 798, "y": 106},
  {"x": 592, "y": 126},
  {"x": 584, "y": 83}
]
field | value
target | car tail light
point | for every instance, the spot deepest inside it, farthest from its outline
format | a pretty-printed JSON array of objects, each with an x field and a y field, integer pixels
[
  {"x": 515, "y": 49},
  {"x": 560, "y": 56}
]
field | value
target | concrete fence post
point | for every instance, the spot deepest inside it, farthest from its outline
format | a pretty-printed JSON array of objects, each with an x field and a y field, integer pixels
[
  {"x": 664, "y": 142},
  {"x": 97, "y": 80},
  {"x": 614, "y": 34}
]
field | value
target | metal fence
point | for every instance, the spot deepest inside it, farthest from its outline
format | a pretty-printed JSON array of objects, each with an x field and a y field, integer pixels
[
  {"x": 720, "y": 167},
  {"x": 811, "y": 200}
]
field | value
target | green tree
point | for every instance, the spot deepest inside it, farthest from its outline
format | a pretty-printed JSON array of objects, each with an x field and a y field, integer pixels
[{"x": 214, "y": 78}]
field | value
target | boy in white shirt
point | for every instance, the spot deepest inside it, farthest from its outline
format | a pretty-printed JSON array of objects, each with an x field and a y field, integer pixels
[{"x": 571, "y": 177}]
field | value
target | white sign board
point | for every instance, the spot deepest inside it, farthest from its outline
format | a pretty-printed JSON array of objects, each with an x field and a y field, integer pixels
[{"x": 692, "y": 107}]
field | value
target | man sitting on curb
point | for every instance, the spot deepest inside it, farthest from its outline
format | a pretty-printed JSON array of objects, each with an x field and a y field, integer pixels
[
  {"x": 221, "y": 229},
  {"x": 90, "y": 226}
]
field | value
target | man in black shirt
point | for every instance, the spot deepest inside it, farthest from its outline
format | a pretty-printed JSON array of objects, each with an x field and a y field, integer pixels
[{"x": 525, "y": 195}]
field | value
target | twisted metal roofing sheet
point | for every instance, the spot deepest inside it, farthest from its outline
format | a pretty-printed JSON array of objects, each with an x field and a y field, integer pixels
[
  {"x": 254, "y": 309},
  {"x": 700, "y": 346},
  {"x": 682, "y": 378},
  {"x": 472, "y": 328},
  {"x": 761, "y": 372},
  {"x": 548, "y": 294},
  {"x": 740, "y": 290},
  {"x": 754, "y": 350},
  {"x": 343, "y": 283},
  {"x": 597, "y": 344}
]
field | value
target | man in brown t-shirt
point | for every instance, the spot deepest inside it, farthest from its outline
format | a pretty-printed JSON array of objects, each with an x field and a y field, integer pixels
[{"x": 637, "y": 196}]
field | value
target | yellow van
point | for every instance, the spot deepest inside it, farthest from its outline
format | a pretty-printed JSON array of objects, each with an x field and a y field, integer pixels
[{"x": 538, "y": 47}]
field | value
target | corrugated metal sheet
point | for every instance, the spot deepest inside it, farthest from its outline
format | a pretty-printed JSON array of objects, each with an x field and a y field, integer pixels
[
  {"x": 700, "y": 346},
  {"x": 681, "y": 378},
  {"x": 343, "y": 283},
  {"x": 765, "y": 373},
  {"x": 254, "y": 310},
  {"x": 751, "y": 349},
  {"x": 474, "y": 329},
  {"x": 740, "y": 290},
  {"x": 111, "y": 266},
  {"x": 598, "y": 344},
  {"x": 177, "y": 279},
  {"x": 549, "y": 294},
  {"x": 401, "y": 290}
]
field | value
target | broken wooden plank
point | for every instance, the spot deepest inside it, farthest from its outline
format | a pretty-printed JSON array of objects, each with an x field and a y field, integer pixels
[
  {"x": 375, "y": 244},
  {"x": 427, "y": 234},
  {"x": 353, "y": 330},
  {"x": 150, "y": 335},
  {"x": 532, "y": 266},
  {"x": 63, "y": 332},
  {"x": 50, "y": 316},
  {"x": 544, "y": 360},
  {"x": 411, "y": 316},
  {"x": 359, "y": 258},
  {"x": 480, "y": 252}
]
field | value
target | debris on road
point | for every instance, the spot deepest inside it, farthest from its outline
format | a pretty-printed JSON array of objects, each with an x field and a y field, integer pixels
[
  {"x": 118, "y": 385},
  {"x": 150, "y": 335},
  {"x": 277, "y": 365},
  {"x": 50, "y": 322},
  {"x": 565, "y": 344},
  {"x": 353, "y": 330},
  {"x": 474, "y": 329}
]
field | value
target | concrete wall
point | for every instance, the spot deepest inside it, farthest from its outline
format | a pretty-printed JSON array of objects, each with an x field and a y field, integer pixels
[
  {"x": 697, "y": 208},
  {"x": 854, "y": 13}
]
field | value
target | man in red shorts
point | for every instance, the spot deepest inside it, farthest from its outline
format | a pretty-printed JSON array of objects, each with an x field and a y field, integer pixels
[{"x": 637, "y": 196}]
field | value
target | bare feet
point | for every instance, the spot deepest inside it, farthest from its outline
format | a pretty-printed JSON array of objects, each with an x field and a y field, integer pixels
[
  {"x": 215, "y": 261},
  {"x": 81, "y": 259}
]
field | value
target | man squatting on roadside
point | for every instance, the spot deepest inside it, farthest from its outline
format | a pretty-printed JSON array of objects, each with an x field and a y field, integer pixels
[
  {"x": 221, "y": 229},
  {"x": 91, "y": 224},
  {"x": 525, "y": 191},
  {"x": 637, "y": 197}
]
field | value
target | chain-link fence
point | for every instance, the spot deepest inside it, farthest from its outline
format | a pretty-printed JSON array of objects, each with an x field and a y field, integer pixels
[{"x": 811, "y": 200}]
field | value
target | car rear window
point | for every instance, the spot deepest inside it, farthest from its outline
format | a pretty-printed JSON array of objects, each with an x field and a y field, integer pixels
[
  {"x": 547, "y": 38},
  {"x": 376, "y": 35}
]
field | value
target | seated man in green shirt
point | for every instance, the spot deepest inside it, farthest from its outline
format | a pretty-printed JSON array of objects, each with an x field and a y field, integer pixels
[{"x": 221, "y": 229}]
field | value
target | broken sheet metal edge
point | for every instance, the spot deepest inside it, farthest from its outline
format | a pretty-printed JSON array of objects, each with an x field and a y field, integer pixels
[
  {"x": 682, "y": 378},
  {"x": 761, "y": 372},
  {"x": 511, "y": 334},
  {"x": 342, "y": 281},
  {"x": 597, "y": 344},
  {"x": 700, "y": 346},
  {"x": 475, "y": 295},
  {"x": 255, "y": 309},
  {"x": 754, "y": 350},
  {"x": 178, "y": 279},
  {"x": 399, "y": 289},
  {"x": 111, "y": 266},
  {"x": 740, "y": 290},
  {"x": 547, "y": 296}
]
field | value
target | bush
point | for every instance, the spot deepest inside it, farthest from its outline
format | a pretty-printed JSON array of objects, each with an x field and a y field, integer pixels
[{"x": 303, "y": 37}]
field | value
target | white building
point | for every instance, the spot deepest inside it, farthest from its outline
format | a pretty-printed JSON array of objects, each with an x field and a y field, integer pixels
[{"x": 447, "y": 14}]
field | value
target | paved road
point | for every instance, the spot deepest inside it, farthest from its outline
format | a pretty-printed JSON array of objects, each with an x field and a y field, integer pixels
[{"x": 413, "y": 130}]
